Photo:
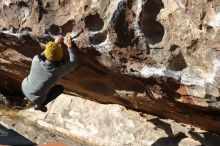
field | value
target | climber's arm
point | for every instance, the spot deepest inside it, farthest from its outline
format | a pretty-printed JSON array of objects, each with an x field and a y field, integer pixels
[{"x": 71, "y": 64}]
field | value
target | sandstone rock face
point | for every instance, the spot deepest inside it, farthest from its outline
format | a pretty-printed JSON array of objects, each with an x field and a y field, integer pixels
[
  {"x": 157, "y": 56},
  {"x": 114, "y": 125},
  {"x": 38, "y": 135}
]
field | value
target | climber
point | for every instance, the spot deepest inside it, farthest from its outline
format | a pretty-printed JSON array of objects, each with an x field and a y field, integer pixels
[{"x": 40, "y": 85}]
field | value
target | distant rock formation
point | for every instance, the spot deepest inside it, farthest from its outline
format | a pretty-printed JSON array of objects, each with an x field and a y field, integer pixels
[{"x": 156, "y": 56}]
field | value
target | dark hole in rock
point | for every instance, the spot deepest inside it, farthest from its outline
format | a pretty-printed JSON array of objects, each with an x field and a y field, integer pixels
[
  {"x": 218, "y": 98},
  {"x": 173, "y": 48},
  {"x": 26, "y": 29},
  {"x": 94, "y": 22},
  {"x": 210, "y": 30},
  {"x": 22, "y": 4},
  {"x": 12, "y": 29},
  {"x": 211, "y": 98},
  {"x": 4, "y": 29},
  {"x": 132, "y": 70},
  {"x": 125, "y": 34},
  {"x": 98, "y": 38},
  {"x": 54, "y": 30},
  {"x": 200, "y": 26},
  {"x": 68, "y": 27},
  {"x": 47, "y": 5},
  {"x": 91, "y": 51},
  {"x": 45, "y": 39},
  {"x": 86, "y": 7},
  {"x": 193, "y": 46},
  {"x": 41, "y": 10},
  {"x": 203, "y": 15},
  {"x": 153, "y": 30},
  {"x": 123, "y": 60},
  {"x": 177, "y": 63}
]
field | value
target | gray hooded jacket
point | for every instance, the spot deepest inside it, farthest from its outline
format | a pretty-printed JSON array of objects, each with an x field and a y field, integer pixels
[{"x": 44, "y": 74}]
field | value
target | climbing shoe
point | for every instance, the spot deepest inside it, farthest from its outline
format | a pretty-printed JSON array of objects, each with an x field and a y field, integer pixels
[{"x": 42, "y": 108}]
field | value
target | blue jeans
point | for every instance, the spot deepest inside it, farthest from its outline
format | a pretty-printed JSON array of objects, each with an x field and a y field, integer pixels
[{"x": 52, "y": 94}]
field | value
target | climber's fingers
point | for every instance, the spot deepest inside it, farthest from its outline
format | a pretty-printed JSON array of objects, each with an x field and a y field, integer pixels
[
  {"x": 68, "y": 41},
  {"x": 58, "y": 39}
]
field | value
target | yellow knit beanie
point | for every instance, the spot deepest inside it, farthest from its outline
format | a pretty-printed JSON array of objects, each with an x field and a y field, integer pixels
[{"x": 53, "y": 52}]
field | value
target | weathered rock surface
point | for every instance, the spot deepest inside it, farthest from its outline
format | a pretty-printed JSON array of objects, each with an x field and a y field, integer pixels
[
  {"x": 38, "y": 135},
  {"x": 156, "y": 56},
  {"x": 114, "y": 125}
]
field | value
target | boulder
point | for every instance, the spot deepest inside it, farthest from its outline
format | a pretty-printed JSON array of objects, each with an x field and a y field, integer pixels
[{"x": 155, "y": 56}]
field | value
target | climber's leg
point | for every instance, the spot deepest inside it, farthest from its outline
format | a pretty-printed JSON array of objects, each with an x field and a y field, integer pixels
[
  {"x": 53, "y": 93},
  {"x": 40, "y": 103}
]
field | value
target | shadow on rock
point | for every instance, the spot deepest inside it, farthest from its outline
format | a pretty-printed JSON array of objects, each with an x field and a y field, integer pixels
[
  {"x": 206, "y": 138},
  {"x": 163, "y": 125},
  {"x": 169, "y": 141}
]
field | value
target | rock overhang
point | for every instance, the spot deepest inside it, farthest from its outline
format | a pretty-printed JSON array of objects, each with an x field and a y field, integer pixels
[{"x": 119, "y": 48}]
